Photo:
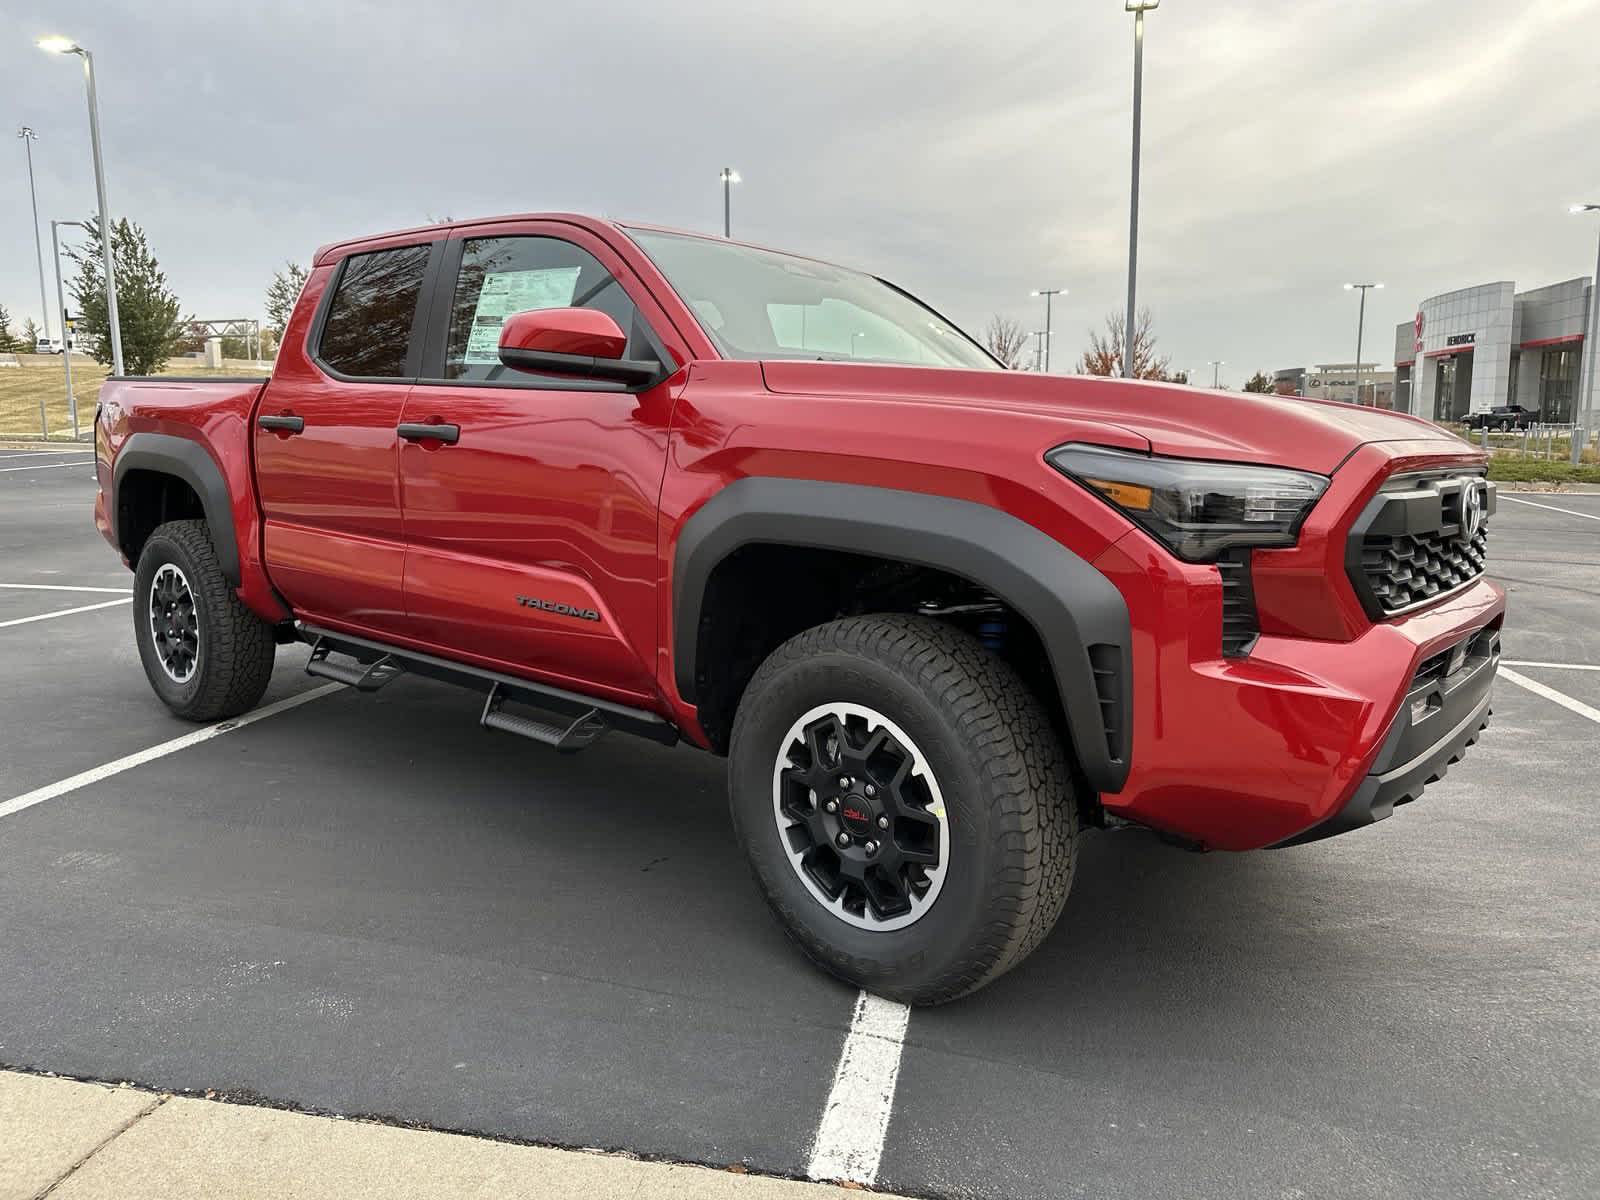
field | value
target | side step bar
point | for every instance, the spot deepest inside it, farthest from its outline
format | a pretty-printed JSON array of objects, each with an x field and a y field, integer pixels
[
  {"x": 582, "y": 719},
  {"x": 364, "y": 677},
  {"x": 580, "y": 734}
]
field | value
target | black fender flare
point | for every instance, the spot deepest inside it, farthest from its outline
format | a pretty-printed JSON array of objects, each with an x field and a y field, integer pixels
[
  {"x": 165, "y": 454},
  {"x": 1080, "y": 616}
]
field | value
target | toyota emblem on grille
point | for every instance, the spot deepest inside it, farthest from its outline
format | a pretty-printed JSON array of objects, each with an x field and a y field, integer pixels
[{"x": 1472, "y": 504}]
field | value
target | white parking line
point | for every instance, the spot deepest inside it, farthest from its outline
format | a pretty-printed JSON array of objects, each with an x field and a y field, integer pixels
[
  {"x": 63, "y": 612},
  {"x": 1550, "y": 693},
  {"x": 1571, "y": 512},
  {"x": 1517, "y": 662},
  {"x": 95, "y": 774},
  {"x": 45, "y": 453},
  {"x": 855, "y": 1120},
  {"x": 61, "y": 587},
  {"x": 45, "y": 467}
]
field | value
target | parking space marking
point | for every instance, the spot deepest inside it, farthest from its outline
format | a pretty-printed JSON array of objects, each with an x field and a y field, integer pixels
[
  {"x": 64, "y": 612},
  {"x": 61, "y": 587},
  {"x": 855, "y": 1120},
  {"x": 42, "y": 467},
  {"x": 1571, "y": 512},
  {"x": 45, "y": 453},
  {"x": 139, "y": 757},
  {"x": 1518, "y": 662},
  {"x": 1550, "y": 693}
]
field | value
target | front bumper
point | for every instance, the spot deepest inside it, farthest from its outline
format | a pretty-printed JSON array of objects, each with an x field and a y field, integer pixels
[
  {"x": 1247, "y": 752},
  {"x": 1445, "y": 710}
]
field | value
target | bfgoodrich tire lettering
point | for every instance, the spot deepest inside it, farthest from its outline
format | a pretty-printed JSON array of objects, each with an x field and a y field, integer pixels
[
  {"x": 225, "y": 651},
  {"x": 1011, "y": 828}
]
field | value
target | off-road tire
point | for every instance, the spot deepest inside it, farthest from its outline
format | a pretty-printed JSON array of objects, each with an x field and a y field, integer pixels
[
  {"x": 234, "y": 660},
  {"x": 1012, "y": 817}
]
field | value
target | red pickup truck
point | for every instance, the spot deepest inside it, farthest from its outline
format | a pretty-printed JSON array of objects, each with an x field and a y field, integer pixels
[{"x": 941, "y": 617}]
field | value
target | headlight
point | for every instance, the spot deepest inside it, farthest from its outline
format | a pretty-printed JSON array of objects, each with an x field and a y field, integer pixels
[{"x": 1198, "y": 509}]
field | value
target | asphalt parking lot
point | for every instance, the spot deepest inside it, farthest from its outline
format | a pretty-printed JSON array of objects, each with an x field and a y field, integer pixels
[{"x": 365, "y": 905}]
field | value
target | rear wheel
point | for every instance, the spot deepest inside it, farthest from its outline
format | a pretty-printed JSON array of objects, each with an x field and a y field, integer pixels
[
  {"x": 905, "y": 805},
  {"x": 206, "y": 655}
]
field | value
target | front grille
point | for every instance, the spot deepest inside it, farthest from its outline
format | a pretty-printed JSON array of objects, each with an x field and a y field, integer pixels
[{"x": 1412, "y": 545}]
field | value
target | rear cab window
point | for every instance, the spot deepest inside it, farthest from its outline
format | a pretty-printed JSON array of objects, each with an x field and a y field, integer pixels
[{"x": 368, "y": 330}]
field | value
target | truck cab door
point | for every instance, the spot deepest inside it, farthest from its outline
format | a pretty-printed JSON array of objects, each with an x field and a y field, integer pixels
[
  {"x": 531, "y": 520},
  {"x": 326, "y": 447}
]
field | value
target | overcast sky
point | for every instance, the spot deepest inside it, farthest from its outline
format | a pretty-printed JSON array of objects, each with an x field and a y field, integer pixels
[{"x": 971, "y": 152}]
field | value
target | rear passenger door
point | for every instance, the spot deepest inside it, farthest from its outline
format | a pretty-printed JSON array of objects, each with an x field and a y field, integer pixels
[
  {"x": 326, "y": 448},
  {"x": 531, "y": 537}
]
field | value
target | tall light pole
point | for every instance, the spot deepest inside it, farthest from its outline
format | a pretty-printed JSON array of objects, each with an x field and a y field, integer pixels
[
  {"x": 29, "y": 137},
  {"x": 61, "y": 307},
  {"x": 61, "y": 45},
  {"x": 1591, "y": 351},
  {"x": 1361, "y": 325},
  {"x": 729, "y": 177},
  {"x": 1216, "y": 372},
  {"x": 1048, "y": 294},
  {"x": 1137, "y": 8},
  {"x": 1041, "y": 348}
]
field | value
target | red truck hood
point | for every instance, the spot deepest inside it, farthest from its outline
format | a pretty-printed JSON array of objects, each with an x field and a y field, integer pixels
[{"x": 1312, "y": 435}]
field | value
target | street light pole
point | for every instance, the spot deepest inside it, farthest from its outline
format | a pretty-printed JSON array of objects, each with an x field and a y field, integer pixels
[
  {"x": 1361, "y": 324},
  {"x": 1048, "y": 294},
  {"x": 1216, "y": 372},
  {"x": 61, "y": 45},
  {"x": 28, "y": 137},
  {"x": 729, "y": 177},
  {"x": 61, "y": 307},
  {"x": 1137, "y": 8},
  {"x": 1591, "y": 351}
]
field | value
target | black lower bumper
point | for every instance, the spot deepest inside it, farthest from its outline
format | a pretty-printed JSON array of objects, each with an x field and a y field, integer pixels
[{"x": 1444, "y": 711}]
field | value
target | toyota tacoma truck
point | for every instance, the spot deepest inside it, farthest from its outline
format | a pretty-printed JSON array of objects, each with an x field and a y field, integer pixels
[{"x": 941, "y": 617}]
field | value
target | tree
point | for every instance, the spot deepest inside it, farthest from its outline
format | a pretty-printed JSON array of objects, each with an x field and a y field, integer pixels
[
  {"x": 1005, "y": 339},
  {"x": 1260, "y": 382},
  {"x": 7, "y": 342},
  {"x": 31, "y": 334},
  {"x": 1104, "y": 356},
  {"x": 147, "y": 310},
  {"x": 282, "y": 293}
]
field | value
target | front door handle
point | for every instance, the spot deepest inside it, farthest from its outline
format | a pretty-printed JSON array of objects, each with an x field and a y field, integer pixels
[
  {"x": 283, "y": 424},
  {"x": 448, "y": 434}
]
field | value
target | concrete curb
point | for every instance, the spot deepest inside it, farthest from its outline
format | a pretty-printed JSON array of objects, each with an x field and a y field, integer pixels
[
  {"x": 1550, "y": 488},
  {"x": 91, "y": 1141}
]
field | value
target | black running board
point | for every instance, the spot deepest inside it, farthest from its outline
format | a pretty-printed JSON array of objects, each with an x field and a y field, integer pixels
[
  {"x": 583, "y": 718},
  {"x": 580, "y": 733}
]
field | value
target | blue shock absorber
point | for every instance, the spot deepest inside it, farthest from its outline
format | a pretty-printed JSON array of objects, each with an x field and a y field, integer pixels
[{"x": 992, "y": 633}]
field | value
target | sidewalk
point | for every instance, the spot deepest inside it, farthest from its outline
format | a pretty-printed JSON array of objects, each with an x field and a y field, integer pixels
[{"x": 77, "y": 1141}]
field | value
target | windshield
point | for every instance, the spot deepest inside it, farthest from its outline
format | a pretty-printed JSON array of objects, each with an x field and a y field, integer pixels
[{"x": 758, "y": 304}]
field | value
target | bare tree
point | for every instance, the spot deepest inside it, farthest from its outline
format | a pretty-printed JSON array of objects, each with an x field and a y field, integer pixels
[
  {"x": 1005, "y": 339},
  {"x": 1104, "y": 355}
]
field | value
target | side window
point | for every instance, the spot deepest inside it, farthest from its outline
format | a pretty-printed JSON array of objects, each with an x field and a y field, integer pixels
[
  {"x": 368, "y": 329},
  {"x": 505, "y": 275}
]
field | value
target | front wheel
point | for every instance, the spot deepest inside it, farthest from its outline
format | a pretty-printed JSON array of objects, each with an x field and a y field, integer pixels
[
  {"x": 206, "y": 655},
  {"x": 905, "y": 804}
]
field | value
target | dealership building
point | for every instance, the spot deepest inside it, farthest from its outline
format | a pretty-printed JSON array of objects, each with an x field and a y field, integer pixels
[{"x": 1481, "y": 347}]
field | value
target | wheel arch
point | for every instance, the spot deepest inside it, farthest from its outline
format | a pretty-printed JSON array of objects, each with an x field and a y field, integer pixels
[
  {"x": 1079, "y": 615},
  {"x": 138, "y": 494}
]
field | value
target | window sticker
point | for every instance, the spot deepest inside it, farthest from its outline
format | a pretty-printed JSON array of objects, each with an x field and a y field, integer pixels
[{"x": 508, "y": 292}]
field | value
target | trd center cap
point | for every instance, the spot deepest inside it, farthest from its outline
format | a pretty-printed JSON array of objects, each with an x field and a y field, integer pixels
[{"x": 856, "y": 816}]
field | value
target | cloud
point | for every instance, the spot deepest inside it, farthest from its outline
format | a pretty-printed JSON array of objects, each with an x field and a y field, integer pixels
[{"x": 970, "y": 152}]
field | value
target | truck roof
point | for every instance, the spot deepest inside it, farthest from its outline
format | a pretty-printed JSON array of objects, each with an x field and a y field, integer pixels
[{"x": 597, "y": 225}]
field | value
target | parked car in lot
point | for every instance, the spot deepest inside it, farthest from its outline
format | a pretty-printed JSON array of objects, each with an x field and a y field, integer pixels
[
  {"x": 1503, "y": 417},
  {"x": 941, "y": 617},
  {"x": 46, "y": 345}
]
